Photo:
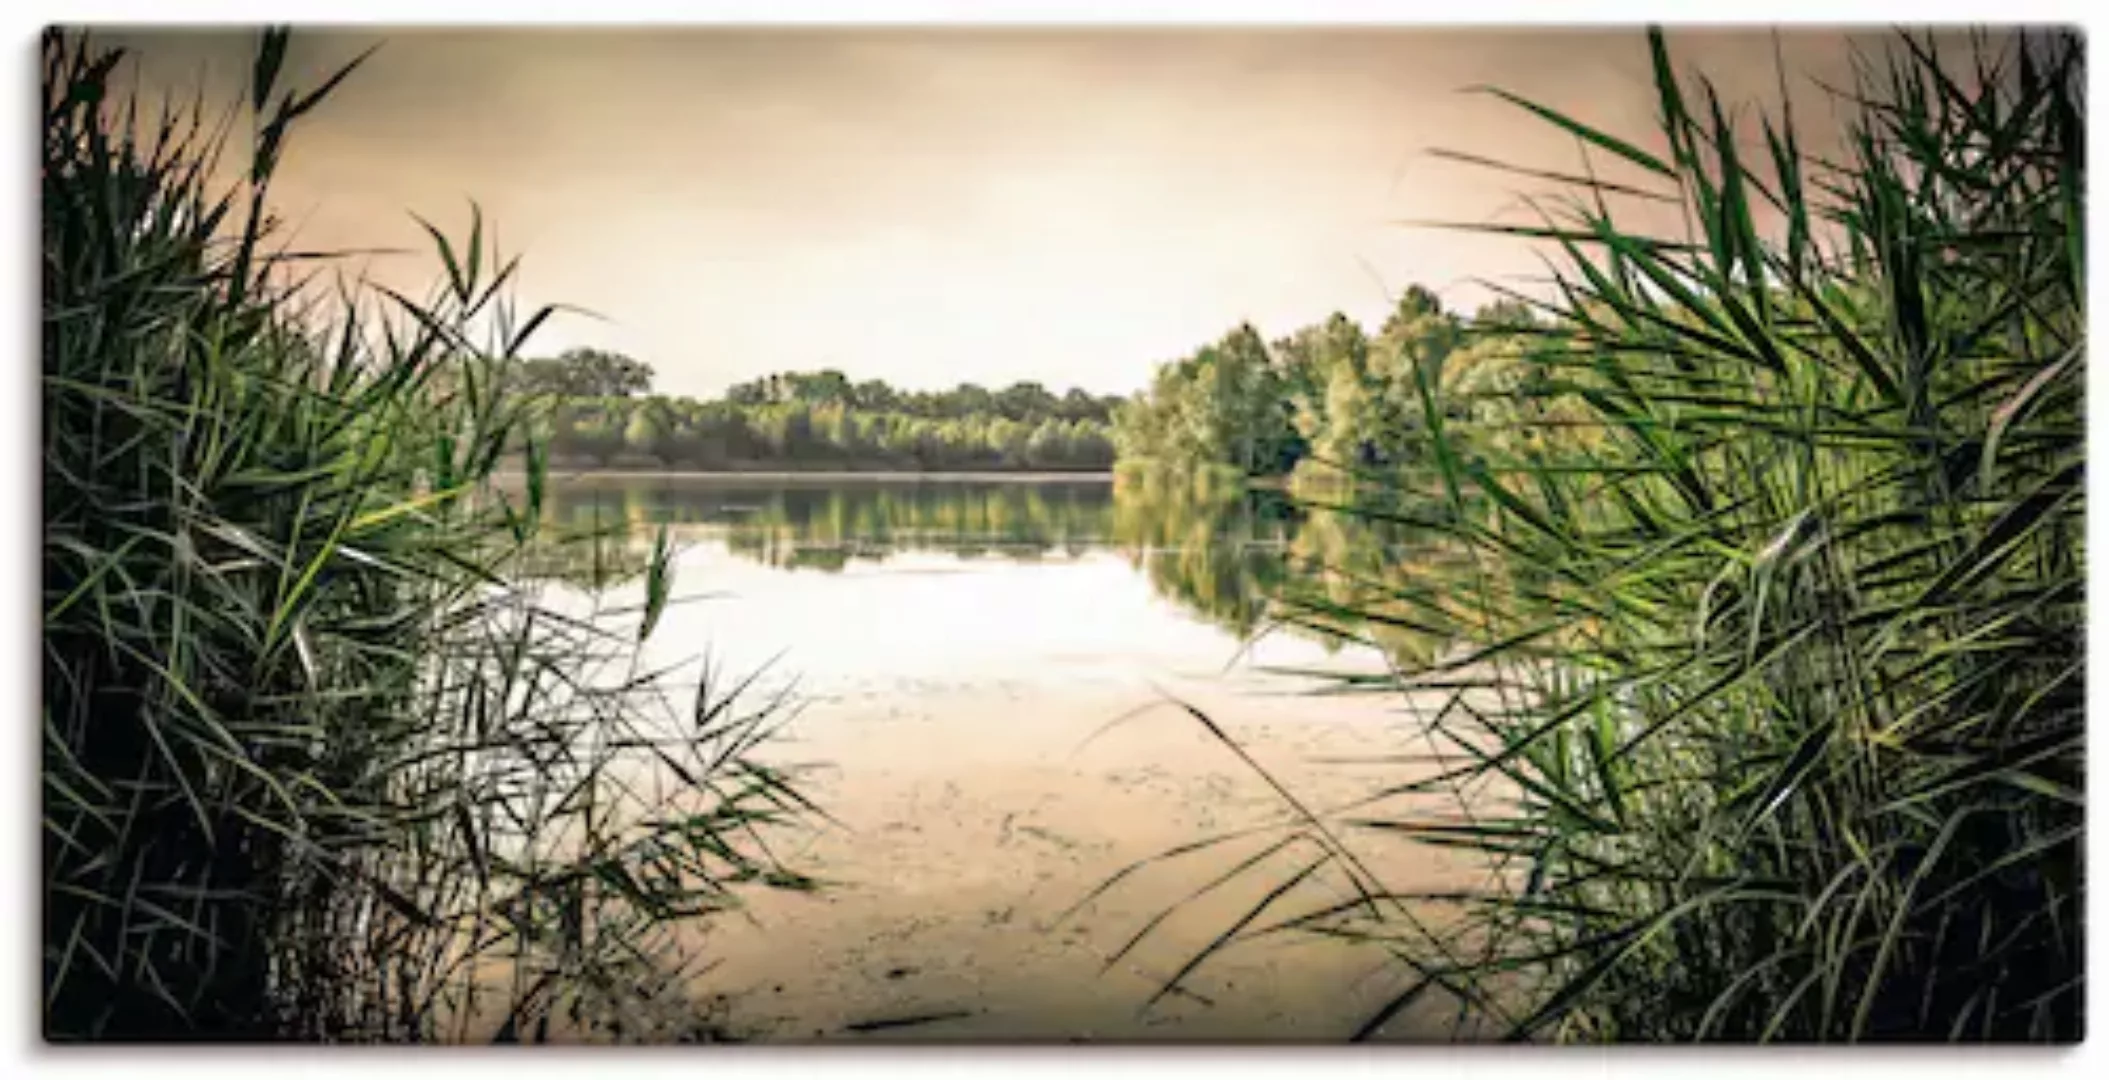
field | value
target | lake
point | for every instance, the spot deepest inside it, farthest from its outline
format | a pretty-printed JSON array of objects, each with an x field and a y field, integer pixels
[{"x": 987, "y": 673}]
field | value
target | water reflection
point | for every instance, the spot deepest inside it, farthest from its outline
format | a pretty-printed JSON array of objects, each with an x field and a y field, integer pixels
[
  {"x": 1238, "y": 559},
  {"x": 823, "y": 525},
  {"x": 1225, "y": 555},
  {"x": 1248, "y": 559}
]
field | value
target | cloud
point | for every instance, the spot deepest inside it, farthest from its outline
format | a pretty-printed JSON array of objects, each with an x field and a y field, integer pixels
[{"x": 934, "y": 205}]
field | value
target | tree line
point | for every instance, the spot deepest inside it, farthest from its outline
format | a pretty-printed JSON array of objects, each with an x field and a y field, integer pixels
[
  {"x": 1330, "y": 395},
  {"x": 599, "y": 412}
]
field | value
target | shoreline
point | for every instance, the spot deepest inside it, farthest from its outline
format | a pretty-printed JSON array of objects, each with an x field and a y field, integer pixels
[
  {"x": 1021, "y": 476},
  {"x": 814, "y": 475}
]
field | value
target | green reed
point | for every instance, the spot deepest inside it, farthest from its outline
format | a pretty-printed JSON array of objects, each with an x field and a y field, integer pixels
[
  {"x": 1768, "y": 716},
  {"x": 322, "y": 757}
]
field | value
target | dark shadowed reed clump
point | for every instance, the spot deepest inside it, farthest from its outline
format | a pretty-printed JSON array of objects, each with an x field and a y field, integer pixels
[
  {"x": 1768, "y": 715},
  {"x": 323, "y": 756}
]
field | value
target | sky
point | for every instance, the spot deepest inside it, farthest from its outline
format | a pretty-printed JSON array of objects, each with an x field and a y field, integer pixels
[{"x": 931, "y": 206}]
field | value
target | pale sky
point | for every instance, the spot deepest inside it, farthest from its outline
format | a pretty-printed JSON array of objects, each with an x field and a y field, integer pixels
[{"x": 932, "y": 206}]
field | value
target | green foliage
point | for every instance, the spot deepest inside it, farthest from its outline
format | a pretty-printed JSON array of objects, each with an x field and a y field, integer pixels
[
  {"x": 823, "y": 421},
  {"x": 321, "y": 757},
  {"x": 1766, "y": 715},
  {"x": 1326, "y": 398},
  {"x": 588, "y": 373}
]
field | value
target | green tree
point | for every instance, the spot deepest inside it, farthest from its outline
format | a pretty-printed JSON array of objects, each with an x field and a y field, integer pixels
[
  {"x": 874, "y": 395},
  {"x": 1023, "y": 401},
  {"x": 647, "y": 432},
  {"x": 1008, "y": 440},
  {"x": 1049, "y": 444},
  {"x": 582, "y": 373}
]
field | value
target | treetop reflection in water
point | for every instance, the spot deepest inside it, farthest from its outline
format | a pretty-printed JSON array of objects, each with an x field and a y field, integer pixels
[{"x": 1241, "y": 559}]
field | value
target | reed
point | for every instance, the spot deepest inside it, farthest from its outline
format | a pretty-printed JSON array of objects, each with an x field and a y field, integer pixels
[
  {"x": 1768, "y": 722},
  {"x": 323, "y": 757}
]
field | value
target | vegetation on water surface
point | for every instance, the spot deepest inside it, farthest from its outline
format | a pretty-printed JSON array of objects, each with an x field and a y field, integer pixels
[
  {"x": 591, "y": 412},
  {"x": 320, "y": 757},
  {"x": 1767, "y": 567}
]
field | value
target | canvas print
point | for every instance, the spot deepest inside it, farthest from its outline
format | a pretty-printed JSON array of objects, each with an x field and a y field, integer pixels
[{"x": 864, "y": 534}]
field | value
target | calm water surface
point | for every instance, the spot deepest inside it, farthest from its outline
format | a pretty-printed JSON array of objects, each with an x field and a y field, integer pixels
[
  {"x": 907, "y": 587},
  {"x": 984, "y": 669}
]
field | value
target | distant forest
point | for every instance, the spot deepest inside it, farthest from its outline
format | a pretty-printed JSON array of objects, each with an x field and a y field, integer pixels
[
  {"x": 601, "y": 413},
  {"x": 1330, "y": 397},
  {"x": 1333, "y": 397}
]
